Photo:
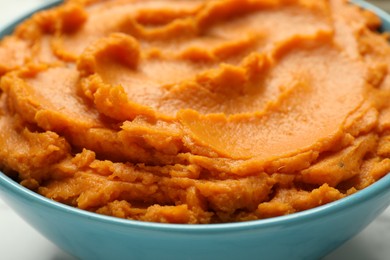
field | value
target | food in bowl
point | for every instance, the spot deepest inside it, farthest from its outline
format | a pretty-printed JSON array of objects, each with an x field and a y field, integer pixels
[{"x": 196, "y": 111}]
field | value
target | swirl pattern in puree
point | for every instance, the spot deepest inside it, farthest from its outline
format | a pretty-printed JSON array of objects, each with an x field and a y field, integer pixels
[{"x": 196, "y": 111}]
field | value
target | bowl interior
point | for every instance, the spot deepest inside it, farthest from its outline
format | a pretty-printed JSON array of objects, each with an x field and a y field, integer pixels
[
  {"x": 10, "y": 186},
  {"x": 45, "y": 214}
]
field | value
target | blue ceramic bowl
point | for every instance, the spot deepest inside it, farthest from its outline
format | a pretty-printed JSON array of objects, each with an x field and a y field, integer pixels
[{"x": 311, "y": 234}]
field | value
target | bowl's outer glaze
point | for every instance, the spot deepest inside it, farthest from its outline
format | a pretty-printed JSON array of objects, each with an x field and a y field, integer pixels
[{"x": 307, "y": 235}]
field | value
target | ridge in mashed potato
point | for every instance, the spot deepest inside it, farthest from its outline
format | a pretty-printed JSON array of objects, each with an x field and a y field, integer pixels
[{"x": 196, "y": 111}]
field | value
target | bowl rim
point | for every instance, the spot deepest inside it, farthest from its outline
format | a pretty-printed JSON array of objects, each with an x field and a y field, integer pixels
[
  {"x": 10, "y": 186},
  {"x": 376, "y": 189}
]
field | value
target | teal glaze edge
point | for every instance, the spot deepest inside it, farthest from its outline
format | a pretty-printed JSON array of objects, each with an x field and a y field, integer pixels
[
  {"x": 381, "y": 13},
  {"x": 376, "y": 189}
]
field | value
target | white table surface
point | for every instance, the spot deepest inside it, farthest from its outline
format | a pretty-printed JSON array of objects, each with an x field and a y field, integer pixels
[{"x": 18, "y": 241}]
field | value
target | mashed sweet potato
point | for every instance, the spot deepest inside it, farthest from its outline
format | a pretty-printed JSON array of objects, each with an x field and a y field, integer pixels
[{"x": 196, "y": 111}]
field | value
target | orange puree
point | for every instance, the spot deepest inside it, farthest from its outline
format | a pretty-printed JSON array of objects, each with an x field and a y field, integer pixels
[{"x": 196, "y": 111}]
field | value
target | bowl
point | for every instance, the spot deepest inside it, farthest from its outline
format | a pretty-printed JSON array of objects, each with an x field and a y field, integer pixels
[{"x": 310, "y": 234}]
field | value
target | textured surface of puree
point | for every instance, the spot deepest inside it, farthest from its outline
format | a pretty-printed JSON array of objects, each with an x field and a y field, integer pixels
[{"x": 196, "y": 111}]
